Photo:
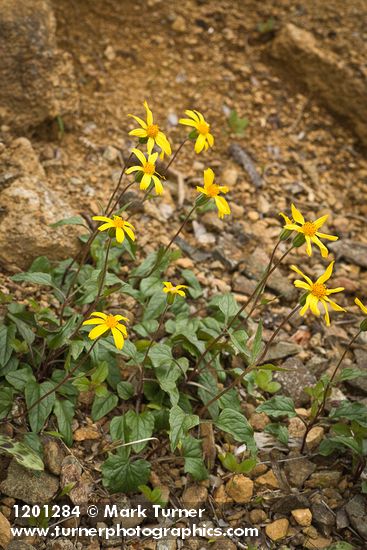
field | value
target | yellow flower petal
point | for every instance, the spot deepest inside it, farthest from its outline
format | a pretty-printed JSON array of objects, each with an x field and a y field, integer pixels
[
  {"x": 93, "y": 322},
  {"x": 130, "y": 233},
  {"x": 320, "y": 221},
  {"x": 96, "y": 332},
  {"x": 120, "y": 235},
  {"x": 297, "y": 216},
  {"x": 200, "y": 144},
  {"x": 139, "y": 121},
  {"x": 187, "y": 122},
  {"x": 139, "y": 132},
  {"x": 139, "y": 155},
  {"x": 223, "y": 206},
  {"x": 149, "y": 114},
  {"x": 325, "y": 276},
  {"x": 99, "y": 314},
  {"x": 301, "y": 284},
  {"x": 192, "y": 114},
  {"x": 314, "y": 305},
  {"x": 297, "y": 270},
  {"x": 326, "y": 236},
  {"x": 118, "y": 338},
  {"x": 208, "y": 177},
  {"x": 358, "y": 302},
  {"x": 322, "y": 247},
  {"x": 102, "y": 219}
]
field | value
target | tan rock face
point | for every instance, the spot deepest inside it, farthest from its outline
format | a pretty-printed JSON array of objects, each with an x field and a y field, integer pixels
[
  {"x": 327, "y": 75},
  {"x": 240, "y": 488},
  {"x": 5, "y": 533},
  {"x": 27, "y": 208},
  {"x": 303, "y": 516},
  {"x": 277, "y": 529},
  {"x": 268, "y": 480},
  {"x": 37, "y": 78}
]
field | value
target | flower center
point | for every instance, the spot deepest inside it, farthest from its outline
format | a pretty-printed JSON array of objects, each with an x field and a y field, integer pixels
[
  {"x": 212, "y": 190},
  {"x": 309, "y": 229},
  {"x": 203, "y": 128},
  {"x": 318, "y": 290},
  {"x": 152, "y": 130},
  {"x": 149, "y": 168},
  {"x": 119, "y": 222},
  {"x": 111, "y": 322}
]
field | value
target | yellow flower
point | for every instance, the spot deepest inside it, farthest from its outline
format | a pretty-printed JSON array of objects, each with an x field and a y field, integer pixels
[
  {"x": 361, "y": 306},
  {"x": 152, "y": 132},
  {"x": 147, "y": 168},
  {"x": 310, "y": 230},
  {"x": 169, "y": 288},
  {"x": 212, "y": 190},
  {"x": 205, "y": 139},
  {"x": 108, "y": 322},
  {"x": 117, "y": 223},
  {"x": 318, "y": 292}
]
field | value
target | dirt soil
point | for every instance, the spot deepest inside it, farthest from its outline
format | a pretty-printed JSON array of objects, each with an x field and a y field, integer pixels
[{"x": 214, "y": 56}]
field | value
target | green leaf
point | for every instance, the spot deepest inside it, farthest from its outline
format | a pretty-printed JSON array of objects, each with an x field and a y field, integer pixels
[
  {"x": 35, "y": 278},
  {"x": 6, "y": 401},
  {"x": 239, "y": 339},
  {"x": 236, "y": 424},
  {"x": 263, "y": 379},
  {"x": 228, "y": 306},
  {"x": 328, "y": 446},
  {"x": 207, "y": 390},
  {"x": 278, "y": 431},
  {"x": 151, "y": 285},
  {"x": 61, "y": 337},
  {"x": 341, "y": 545},
  {"x": 40, "y": 412},
  {"x": 278, "y": 406},
  {"x": 103, "y": 405},
  {"x": 23, "y": 328},
  {"x": 100, "y": 373},
  {"x": 257, "y": 344},
  {"x": 194, "y": 289},
  {"x": 23, "y": 454},
  {"x": 20, "y": 378},
  {"x": 40, "y": 265},
  {"x": 153, "y": 495},
  {"x": 351, "y": 411},
  {"x": 350, "y": 373},
  {"x": 6, "y": 336},
  {"x": 180, "y": 424},
  {"x": 133, "y": 427},
  {"x": 237, "y": 124},
  {"x": 73, "y": 220},
  {"x": 121, "y": 475},
  {"x": 193, "y": 453},
  {"x": 125, "y": 390},
  {"x": 155, "y": 307},
  {"x": 64, "y": 412},
  {"x": 231, "y": 463}
]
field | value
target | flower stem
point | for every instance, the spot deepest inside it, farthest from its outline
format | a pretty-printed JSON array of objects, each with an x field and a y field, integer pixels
[
  {"x": 58, "y": 385},
  {"x": 141, "y": 370},
  {"x": 252, "y": 367},
  {"x": 255, "y": 294},
  {"x": 174, "y": 156},
  {"x": 321, "y": 407}
]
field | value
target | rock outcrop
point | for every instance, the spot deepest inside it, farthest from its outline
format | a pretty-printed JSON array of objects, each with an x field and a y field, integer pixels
[
  {"x": 27, "y": 208},
  {"x": 37, "y": 79},
  {"x": 330, "y": 79}
]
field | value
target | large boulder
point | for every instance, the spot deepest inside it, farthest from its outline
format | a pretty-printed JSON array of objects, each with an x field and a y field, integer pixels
[
  {"x": 327, "y": 76},
  {"x": 27, "y": 208},
  {"x": 37, "y": 79}
]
